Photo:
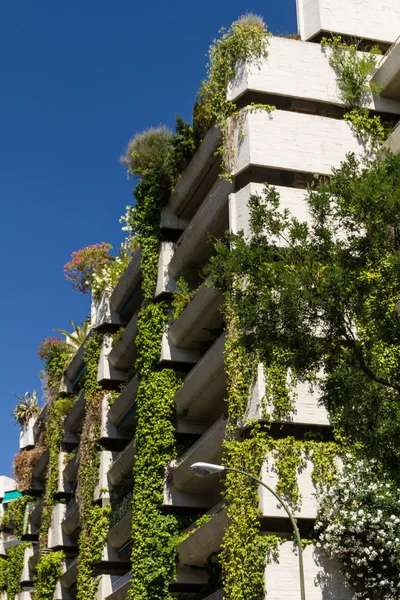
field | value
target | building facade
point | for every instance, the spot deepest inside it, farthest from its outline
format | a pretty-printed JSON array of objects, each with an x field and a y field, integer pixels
[{"x": 305, "y": 135}]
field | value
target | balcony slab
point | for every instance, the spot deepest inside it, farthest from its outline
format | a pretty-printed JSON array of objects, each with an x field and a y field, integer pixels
[{"x": 127, "y": 296}]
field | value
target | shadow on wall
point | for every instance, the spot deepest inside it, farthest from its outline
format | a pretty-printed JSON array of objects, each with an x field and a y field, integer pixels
[{"x": 329, "y": 578}]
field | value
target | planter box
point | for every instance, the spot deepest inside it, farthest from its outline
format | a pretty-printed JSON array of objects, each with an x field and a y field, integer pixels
[
  {"x": 101, "y": 314},
  {"x": 393, "y": 141},
  {"x": 165, "y": 282},
  {"x": 74, "y": 419},
  {"x": 127, "y": 295},
  {"x": 70, "y": 521},
  {"x": 123, "y": 354},
  {"x": 121, "y": 533},
  {"x": 322, "y": 577},
  {"x": 124, "y": 403},
  {"x": 202, "y": 395},
  {"x": 27, "y": 573},
  {"x": 307, "y": 409},
  {"x": 197, "y": 178},
  {"x": 102, "y": 482},
  {"x": 359, "y": 18},
  {"x": 296, "y": 71},
  {"x": 200, "y": 317},
  {"x": 58, "y": 538},
  {"x": 69, "y": 572},
  {"x": 28, "y": 434},
  {"x": 122, "y": 465},
  {"x": 195, "y": 549},
  {"x": 388, "y": 72},
  {"x": 193, "y": 247},
  {"x": 106, "y": 371},
  {"x": 294, "y": 142}
]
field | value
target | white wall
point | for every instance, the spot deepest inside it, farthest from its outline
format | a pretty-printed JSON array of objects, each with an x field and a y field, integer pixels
[
  {"x": 294, "y": 142},
  {"x": 323, "y": 580},
  {"x": 296, "y": 69},
  {"x": 371, "y": 19}
]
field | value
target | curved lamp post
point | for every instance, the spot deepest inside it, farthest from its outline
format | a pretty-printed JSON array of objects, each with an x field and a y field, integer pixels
[{"x": 204, "y": 469}]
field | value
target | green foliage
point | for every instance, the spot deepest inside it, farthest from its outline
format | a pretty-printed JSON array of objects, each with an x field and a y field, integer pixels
[
  {"x": 15, "y": 566},
  {"x": 94, "y": 520},
  {"x": 3, "y": 573},
  {"x": 26, "y": 408},
  {"x": 243, "y": 554},
  {"x": 151, "y": 324},
  {"x": 157, "y": 157},
  {"x": 79, "y": 334},
  {"x": 182, "y": 296},
  {"x": 279, "y": 386},
  {"x": 48, "y": 571},
  {"x": 353, "y": 70},
  {"x": 15, "y": 513},
  {"x": 339, "y": 276},
  {"x": 91, "y": 543},
  {"x": 56, "y": 354},
  {"x": 153, "y": 532},
  {"x": 247, "y": 39},
  {"x": 53, "y": 438},
  {"x": 371, "y": 129},
  {"x": 288, "y": 461}
]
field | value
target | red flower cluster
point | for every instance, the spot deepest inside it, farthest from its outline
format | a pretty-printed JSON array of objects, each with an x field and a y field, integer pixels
[
  {"x": 52, "y": 346},
  {"x": 86, "y": 263}
]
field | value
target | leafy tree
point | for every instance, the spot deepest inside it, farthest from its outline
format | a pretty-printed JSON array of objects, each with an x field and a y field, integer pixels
[{"x": 323, "y": 295}]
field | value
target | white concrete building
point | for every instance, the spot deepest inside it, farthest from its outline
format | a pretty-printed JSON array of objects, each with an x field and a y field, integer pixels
[{"x": 304, "y": 136}]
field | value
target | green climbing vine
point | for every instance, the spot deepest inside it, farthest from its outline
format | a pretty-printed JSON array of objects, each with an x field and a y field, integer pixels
[
  {"x": 354, "y": 70},
  {"x": 15, "y": 566},
  {"x": 3, "y": 573},
  {"x": 182, "y": 296},
  {"x": 94, "y": 519},
  {"x": 14, "y": 516},
  {"x": 48, "y": 571}
]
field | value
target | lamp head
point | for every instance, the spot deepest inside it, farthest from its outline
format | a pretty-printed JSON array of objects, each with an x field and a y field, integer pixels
[{"x": 203, "y": 469}]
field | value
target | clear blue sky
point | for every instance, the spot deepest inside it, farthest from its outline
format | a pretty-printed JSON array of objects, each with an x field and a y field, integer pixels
[{"x": 78, "y": 79}]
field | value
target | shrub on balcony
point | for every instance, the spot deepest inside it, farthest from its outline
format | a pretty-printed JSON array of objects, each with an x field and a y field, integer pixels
[
  {"x": 85, "y": 264},
  {"x": 359, "y": 525},
  {"x": 23, "y": 465},
  {"x": 27, "y": 407}
]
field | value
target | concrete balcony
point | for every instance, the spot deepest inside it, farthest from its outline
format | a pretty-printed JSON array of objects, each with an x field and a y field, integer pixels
[
  {"x": 393, "y": 141},
  {"x": 293, "y": 142},
  {"x": 108, "y": 431},
  {"x": 58, "y": 539},
  {"x": 33, "y": 517},
  {"x": 197, "y": 547},
  {"x": 27, "y": 573},
  {"x": 127, "y": 296},
  {"x": 120, "y": 533},
  {"x": 307, "y": 408},
  {"x": 69, "y": 572},
  {"x": 269, "y": 505},
  {"x": 291, "y": 198},
  {"x": 195, "y": 325},
  {"x": 120, "y": 588},
  {"x": 165, "y": 283},
  {"x": 28, "y": 434},
  {"x": 62, "y": 593},
  {"x": 31, "y": 527},
  {"x": 322, "y": 576},
  {"x": 75, "y": 369},
  {"x": 102, "y": 317},
  {"x": 123, "y": 411},
  {"x": 71, "y": 468},
  {"x": 387, "y": 75},
  {"x": 39, "y": 468},
  {"x": 365, "y": 19},
  {"x": 107, "y": 373},
  {"x": 122, "y": 465},
  {"x": 201, "y": 397},
  {"x": 100, "y": 492},
  {"x": 207, "y": 449},
  {"x": 181, "y": 356},
  {"x": 296, "y": 71},
  {"x": 123, "y": 353},
  {"x": 70, "y": 522},
  {"x": 74, "y": 419},
  {"x": 197, "y": 178},
  {"x": 193, "y": 247}
]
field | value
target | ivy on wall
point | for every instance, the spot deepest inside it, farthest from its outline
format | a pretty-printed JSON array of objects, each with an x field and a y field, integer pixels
[
  {"x": 48, "y": 571},
  {"x": 3, "y": 573},
  {"x": 15, "y": 566},
  {"x": 14, "y": 516}
]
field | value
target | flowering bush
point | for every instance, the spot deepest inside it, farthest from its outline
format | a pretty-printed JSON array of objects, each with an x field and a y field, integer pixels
[
  {"x": 86, "y": 264},
  {"x": 359, "y": 525},
  {"x": 51, "y": 347},
  {"x": 108, "y": 277}
]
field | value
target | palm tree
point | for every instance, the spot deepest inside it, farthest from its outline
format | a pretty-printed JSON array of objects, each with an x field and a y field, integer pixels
[
  {"x": 26, "y": 408},
  {"x": 78, "y": 336}
]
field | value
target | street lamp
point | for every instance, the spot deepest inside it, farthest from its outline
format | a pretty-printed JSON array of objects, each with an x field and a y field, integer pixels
[{"x": 203, "y": 469}]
